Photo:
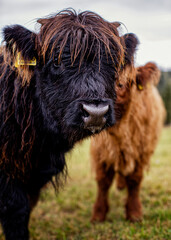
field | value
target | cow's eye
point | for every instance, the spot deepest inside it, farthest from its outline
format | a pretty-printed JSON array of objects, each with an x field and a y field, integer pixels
[
  {"x": 56, "y": 62},
  {"x": 120, "y": 85},
  {"x": 58, "y": 66}
]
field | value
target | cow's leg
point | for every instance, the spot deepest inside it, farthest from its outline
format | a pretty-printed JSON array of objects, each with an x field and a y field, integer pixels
[
  {"x": 104, "y": 178},
  {"x": 133, "y": 203},
  {"x": 14, "y": 211}
]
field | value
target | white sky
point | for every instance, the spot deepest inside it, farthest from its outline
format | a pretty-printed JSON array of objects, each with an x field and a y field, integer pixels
[{"x": 150, "y": 20}]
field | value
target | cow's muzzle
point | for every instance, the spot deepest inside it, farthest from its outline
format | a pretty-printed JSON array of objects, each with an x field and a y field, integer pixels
[
  {"x": 97, "y": 115},
  {"x": 94, "y": 116},
  {"x": 91, "y": 115}
]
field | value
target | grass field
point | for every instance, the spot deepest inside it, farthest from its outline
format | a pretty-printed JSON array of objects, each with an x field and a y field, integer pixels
[{"x": 67, "y": 215}]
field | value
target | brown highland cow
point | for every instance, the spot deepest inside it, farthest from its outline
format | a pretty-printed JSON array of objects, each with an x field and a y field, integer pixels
[{"x": 124, "y": 150}]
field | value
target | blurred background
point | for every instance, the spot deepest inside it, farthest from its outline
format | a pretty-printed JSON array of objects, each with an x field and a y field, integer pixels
[{"x": 150, "y": 20}]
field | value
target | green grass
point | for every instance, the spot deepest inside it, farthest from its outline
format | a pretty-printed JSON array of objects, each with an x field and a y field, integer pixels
[{"x": 67, "y": 215}]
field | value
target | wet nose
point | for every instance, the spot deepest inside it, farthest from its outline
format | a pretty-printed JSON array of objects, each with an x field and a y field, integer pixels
[{"x": 95, "y": 116}]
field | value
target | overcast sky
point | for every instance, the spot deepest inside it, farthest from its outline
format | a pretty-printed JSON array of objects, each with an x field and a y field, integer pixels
[{"x": 150, "y": 20}]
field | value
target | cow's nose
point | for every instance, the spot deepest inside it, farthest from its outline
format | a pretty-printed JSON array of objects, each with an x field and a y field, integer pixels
[{"x": 94, "y": 116}]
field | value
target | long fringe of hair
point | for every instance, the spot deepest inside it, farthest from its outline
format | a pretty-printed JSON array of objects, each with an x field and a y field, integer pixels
[{"x": 86, "y": 32}]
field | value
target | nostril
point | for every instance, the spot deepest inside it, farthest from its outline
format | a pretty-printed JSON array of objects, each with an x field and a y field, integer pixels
[
  {"x": 106, "y": 114},
  {"x": 85, "y": 114}
]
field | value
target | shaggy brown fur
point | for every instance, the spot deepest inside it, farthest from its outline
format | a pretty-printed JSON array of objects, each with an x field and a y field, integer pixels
[{"x": 125, "y": 149}]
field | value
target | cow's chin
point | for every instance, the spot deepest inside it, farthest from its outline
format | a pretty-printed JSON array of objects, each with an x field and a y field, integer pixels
[{"x": 73, "y": 135}]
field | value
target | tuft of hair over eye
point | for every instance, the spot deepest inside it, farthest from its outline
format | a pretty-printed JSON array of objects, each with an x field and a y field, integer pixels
[{"x": 87, "y": 34}]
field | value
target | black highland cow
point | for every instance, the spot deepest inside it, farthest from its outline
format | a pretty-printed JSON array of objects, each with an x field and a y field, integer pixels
[{"x": 48, "y": 103}]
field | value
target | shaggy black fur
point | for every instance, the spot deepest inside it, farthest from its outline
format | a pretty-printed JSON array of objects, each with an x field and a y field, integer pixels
[{"x": 41, "y": 119}]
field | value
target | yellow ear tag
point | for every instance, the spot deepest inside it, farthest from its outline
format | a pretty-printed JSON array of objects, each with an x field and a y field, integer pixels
[
  {"x": 140, "y": 87},
  {"x": 21, "y": 62}
]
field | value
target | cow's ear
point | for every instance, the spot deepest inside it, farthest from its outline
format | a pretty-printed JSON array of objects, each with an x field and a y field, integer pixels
[
  {"x": 20, "y": 39},
  {"x": 131, "y": 42},
  {"x": 147, "y": 75}
]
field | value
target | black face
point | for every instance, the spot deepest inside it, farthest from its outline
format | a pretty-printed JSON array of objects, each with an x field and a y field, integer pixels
[
  {"x": 76, "y": 97},
  {"x": 78, "y": 100}
]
